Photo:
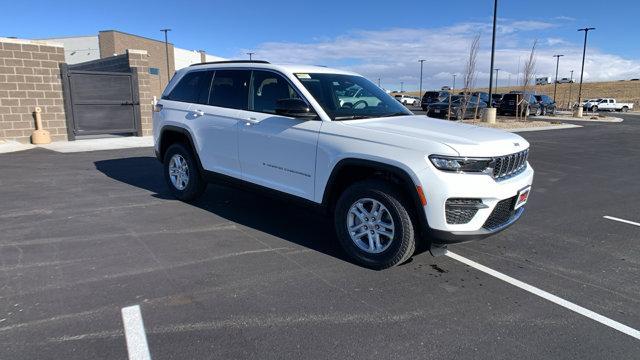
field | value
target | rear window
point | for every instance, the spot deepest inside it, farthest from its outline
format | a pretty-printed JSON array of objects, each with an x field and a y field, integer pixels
[
  {"x": 431, "y": 94},
  {"x": 192, "y": 88}
]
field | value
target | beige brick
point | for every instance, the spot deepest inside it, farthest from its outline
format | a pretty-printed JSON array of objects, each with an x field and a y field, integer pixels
[
  {"x": 27, "y": 125},
  {"x": 15, "y": 78},
  {"x": 16, "y": 133},
  {"x": 10, "y": 46},
  {"x": 56, "y": 57},
  {"x": 5, "y": 109},
  {"x": 17, "y": 94},
  {"x": 35, "y": 94},
  {"x": 19, "y": 109},
  {"x": 33, "y": 78},
  {"x": 7, "y": 70},
  {"x": 28, "y": 102},
  {"x": 45, "y": 102},
  {"x": 28, "y": 116},
  {"x": 30, "y": 47},
  {"x": 52, "y": 94},
  {"x": 6, "y": 54},
  {"x": 24, "y": 86},
  {"x": 42, "y": 71},
  {"x": 47, "y": 49},
  {"x": 13, "y": 62},
  {"x": 40, "y": 56},
  {"x": 8, "y": 86},
  {"x": 53, "y": 109},
  {"x": 4, "y": 94},
  {"x": 21, "y": 55},
  {"x": 11, "y": 117},
  {"x": 42, "y": 87},
  {"x": 23, "y": 71},
  {"x": 49, "y": 64},
  {"x": 31, "y": 63}
]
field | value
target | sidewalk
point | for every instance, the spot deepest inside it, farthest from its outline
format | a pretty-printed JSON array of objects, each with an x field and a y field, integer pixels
[{"x": 82, "y": 145}]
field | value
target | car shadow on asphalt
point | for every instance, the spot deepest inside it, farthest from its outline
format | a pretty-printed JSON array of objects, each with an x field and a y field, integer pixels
[{"x": 297, "y": 224}]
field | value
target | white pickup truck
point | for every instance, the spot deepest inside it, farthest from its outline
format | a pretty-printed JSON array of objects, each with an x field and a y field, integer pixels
[{"x": 608, "y": 105}]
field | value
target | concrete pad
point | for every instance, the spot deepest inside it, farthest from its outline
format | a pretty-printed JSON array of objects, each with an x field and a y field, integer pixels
[
  {"x": 9, "y": 146},
  {"x": 609, "y": 119},
  {"x": 542, "y": 128},
  {"x": 100, "y": 144}
]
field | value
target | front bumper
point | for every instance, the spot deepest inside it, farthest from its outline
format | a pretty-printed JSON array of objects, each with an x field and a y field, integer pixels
[{"x": 439, "y": 186}]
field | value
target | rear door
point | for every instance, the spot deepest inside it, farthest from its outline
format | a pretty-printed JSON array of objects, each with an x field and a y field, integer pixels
[{"x": 276, "y": 151}]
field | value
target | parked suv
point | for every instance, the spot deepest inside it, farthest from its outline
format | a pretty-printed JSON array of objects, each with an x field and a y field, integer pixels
[
  {"x": 389, "y": 178},
  {"x": 432, "y": 97},
  {"x": 528, "y": 104},
  {"x": 547, "y": 103}
]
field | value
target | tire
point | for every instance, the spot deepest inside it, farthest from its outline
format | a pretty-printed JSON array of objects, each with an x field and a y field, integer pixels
[
  {"x": 177, "y": 155},
  {"x": 625, "y": 109},
  {"x": 594, "y": 108},
  {"x": 538, "y": 111},
  {"x": 394, "y": 210}
]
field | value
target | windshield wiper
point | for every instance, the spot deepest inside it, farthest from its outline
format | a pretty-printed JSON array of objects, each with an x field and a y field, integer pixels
[
  {"x": 395, "y": 114},
  {"x": 352, "y": 117}
]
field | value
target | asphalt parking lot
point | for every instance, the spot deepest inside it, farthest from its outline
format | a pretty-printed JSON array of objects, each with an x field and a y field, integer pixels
[{"x": 237, "y": 275}]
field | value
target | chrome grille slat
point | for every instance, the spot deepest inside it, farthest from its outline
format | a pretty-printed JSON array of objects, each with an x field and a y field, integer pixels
[{"x": 510, "y": 165}]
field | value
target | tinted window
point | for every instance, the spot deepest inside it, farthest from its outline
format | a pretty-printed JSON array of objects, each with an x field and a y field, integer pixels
[
  {"x": 267, "y": 89},
  {"x": 230, "y": 89},
  {"x": 192, "y": 88}
]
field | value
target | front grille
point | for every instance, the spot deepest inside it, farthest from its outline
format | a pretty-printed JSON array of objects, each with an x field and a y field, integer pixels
[
  {"x": 461, "y": 210},
  {"x": 501, "y": 214},
  {"x": 510, "y": 165}
]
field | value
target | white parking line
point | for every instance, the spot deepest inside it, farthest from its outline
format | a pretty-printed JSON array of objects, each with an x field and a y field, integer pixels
[
  {"x": 621, "y": 220},
  {"x": 134, "y": 333},
  {"x": 545, "y": 295}
]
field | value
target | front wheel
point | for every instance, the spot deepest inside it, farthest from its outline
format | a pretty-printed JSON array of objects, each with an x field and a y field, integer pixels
[
  {"x": 181, "y": 173},
  {"x": 538, "y": 112},
  {"x": 373, "y": 224},
  {"x": 594, "y": 108}
]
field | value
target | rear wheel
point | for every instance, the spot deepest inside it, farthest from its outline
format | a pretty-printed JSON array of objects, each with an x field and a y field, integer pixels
[
  {"x": 373, "y": 224},
  {"x": 181, "y": 173},
  {"x": 594, "y": 108},
  {"x": 538, "y": 111},
  {"x": 625, "y": 108}
]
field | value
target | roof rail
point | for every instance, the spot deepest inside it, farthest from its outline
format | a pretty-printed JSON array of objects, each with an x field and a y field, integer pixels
[{"x": 232, "y": 62}]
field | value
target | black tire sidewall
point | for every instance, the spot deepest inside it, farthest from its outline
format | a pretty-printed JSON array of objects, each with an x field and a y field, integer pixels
[
  {"x": 195, "y": 186},
  {"x": 403, "y": 243}
]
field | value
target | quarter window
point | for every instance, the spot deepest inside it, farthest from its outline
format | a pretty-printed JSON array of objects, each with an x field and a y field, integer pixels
[
  {"x": 230, "y": 89},
  {"x": 192, "y": 88},
  {"x": 267, "y": 89}
]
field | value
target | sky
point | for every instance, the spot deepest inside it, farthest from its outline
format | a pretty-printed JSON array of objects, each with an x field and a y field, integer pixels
[{"x": 379, "y": 39}]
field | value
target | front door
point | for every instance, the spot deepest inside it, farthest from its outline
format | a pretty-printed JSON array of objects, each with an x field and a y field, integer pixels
[{"x": 276, "y": 151}]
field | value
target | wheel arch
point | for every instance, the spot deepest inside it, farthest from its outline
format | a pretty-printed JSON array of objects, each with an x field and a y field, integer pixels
[
  {"x": 170, "y": 134},
  {"x": 350, "y": 170}
]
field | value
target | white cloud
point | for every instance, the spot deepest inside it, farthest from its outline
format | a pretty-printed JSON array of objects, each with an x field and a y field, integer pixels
[{"x": 392, "y": 54}]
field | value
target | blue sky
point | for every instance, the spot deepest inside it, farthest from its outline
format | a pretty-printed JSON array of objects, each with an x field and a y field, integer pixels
[{"x": 377, "y": 38}]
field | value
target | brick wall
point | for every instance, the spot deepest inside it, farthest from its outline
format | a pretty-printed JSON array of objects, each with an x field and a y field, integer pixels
[
  {"x": 118, "y": 63},
  {"x": 116, "y": 42},
  {"x": 139, "y": 60},
  {"x": 30, "y": 77}
]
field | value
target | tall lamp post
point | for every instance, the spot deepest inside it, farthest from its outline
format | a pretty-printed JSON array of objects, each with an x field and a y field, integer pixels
[
  {"x": 555, "y": 83},
  {"x": 493, "y": 50},
  {"x": 584, "y": 52},
  {"x": 250, "y": 55},
  {"x": 497, "y": 71},
  {"x": 401, "y": 86},
  {"x": 570, "y": 88},
  {"x": 421, "y": 61},
  {"x": 454, "y": 82},
  {"x": 166, "y": 50}
]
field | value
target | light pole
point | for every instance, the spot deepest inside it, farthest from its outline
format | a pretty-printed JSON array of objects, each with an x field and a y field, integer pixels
[
  {"x": 401, "y": 86},
  {"x": 421, "y": 61},
  {"x": 493, "y": 50},
  {"x": 250, "y": 55},
  {"x": 454, "y": 83},
  {"x": 584, "y": 52},
  {"x": 379, "y": 83},
  {"x": 497, "y": 71},
  {"x": 166, "y": 50},
  {"x": 555, "y": 83}
]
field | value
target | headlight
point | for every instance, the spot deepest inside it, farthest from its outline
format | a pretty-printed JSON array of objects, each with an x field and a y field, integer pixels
[{"x": 462, "y": 164}]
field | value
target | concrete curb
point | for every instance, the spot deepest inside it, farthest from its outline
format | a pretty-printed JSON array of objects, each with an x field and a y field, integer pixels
[
  {"x": 10, "y": 146},
  {"x": 568, "y": 118},
  {"x": 543, "y": 128}
]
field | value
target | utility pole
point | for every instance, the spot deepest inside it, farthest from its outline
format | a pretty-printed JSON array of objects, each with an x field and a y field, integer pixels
[
  {"x": 250, "y": 55},
  {"x": 493, "y": 50},
  {"x": 379, "y": 83},
  {"x": 421, "y": 61},
  {"x": 401, "y": 86},
  {"x": 454, "y": 82},
  {"x": 584, "y": 52},
  {"x": 497, "y": 71},
  {"x": 555, "y": 83},
  {"x": 166, "y": 50}
]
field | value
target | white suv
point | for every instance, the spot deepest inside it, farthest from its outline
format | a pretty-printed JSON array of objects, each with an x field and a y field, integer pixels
[{"x": 389, "y": 178}]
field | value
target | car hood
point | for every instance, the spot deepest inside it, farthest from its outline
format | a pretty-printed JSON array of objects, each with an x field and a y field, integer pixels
[{"x": 467, "y": 140}]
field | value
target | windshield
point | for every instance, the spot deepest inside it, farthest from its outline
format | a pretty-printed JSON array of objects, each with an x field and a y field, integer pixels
[{"x": 346, "y": 97}]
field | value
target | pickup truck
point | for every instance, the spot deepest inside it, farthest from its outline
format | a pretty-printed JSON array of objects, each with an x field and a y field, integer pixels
[{"x": 608, "y": 105}]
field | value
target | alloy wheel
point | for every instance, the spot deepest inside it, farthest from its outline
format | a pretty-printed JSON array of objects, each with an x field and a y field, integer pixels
[
  {"x": 370, "y": 225},
  {"x": 179, "y": 172}
]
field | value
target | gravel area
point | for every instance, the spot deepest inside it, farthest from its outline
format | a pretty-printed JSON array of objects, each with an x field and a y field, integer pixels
[{"x": 509, "y": 124}]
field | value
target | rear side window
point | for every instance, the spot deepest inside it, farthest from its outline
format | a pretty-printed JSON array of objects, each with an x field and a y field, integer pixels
[
  {"x": 192, "y": 88},
  {"x": 230, "y": 89},
  {"x": 267, "y": 89}
]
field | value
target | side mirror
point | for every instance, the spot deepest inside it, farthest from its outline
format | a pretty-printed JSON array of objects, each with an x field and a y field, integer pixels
[{"x": 295, "y": 108}]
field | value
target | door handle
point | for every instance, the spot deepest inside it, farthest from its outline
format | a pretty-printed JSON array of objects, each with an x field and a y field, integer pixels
[
  {"x": 198, "y": 113},
  {"x": 251, "y": 121}
]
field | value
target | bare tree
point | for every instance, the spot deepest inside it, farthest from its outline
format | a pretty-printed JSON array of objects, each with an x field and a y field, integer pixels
[
  {"x": 528, "y": 73},
  {"x": 469, "y": 79}
]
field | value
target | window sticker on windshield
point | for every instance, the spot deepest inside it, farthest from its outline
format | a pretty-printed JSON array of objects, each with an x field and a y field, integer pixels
[{"x": 303, "y": 76}]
